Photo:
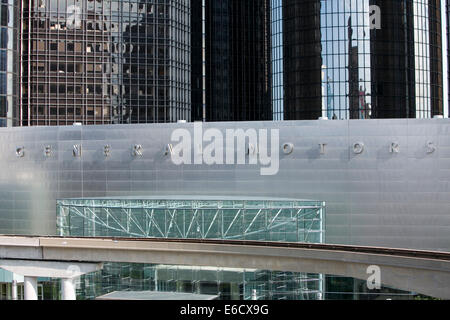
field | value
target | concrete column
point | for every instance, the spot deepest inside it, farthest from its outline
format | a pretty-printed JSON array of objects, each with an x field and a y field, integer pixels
[
  {"x": 14, "y": 290},
  {"x": 30, "y": 288},
  {"x": 68, "y": 289}
]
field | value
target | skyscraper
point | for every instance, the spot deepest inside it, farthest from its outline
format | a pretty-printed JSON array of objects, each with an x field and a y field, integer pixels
[
  {"x": 376, "y": 58},
  {"x": 100, "y": 62},
  {"x": 236, "y": 60},
  {"x": 66, "y": 61},
  {"x": 8, "y": 62}
]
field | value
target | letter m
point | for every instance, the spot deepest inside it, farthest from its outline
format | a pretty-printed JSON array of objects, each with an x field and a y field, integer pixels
[{"x": 241, "y": 150}]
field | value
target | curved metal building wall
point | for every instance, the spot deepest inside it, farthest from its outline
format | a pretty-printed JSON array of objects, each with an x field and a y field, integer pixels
[{"x": 395, "y": 193}]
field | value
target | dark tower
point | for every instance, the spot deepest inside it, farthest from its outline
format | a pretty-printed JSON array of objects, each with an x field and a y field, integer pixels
[
  {"x": 302, "y": 59},
  {"x": 197, "y": 60},
  {"x": 237, "y": 52}
]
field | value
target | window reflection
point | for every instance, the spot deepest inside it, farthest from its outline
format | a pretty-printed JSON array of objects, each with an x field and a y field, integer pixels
[
  {"x": 8, "y": 62},
  {"x": 329, "y": 61},
  {"x": 98, "y": 55}
]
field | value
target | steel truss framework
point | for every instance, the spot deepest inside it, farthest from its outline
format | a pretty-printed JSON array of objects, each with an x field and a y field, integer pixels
[{"x": 271, "y": 220}]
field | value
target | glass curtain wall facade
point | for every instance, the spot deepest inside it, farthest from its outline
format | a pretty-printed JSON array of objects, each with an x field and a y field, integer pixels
[
  {"x": 277, "y": 66},
  {"x": 236, "y": 60},
  {"x": 8, "y": 62},
  {"x": 100, "y": 62},
  {"x": 227, "y": 218},
  {"x": 357, "y": 59}
]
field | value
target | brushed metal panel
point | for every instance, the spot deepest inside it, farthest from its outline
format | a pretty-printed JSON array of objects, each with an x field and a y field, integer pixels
[{"x": 375, "y": 198}]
